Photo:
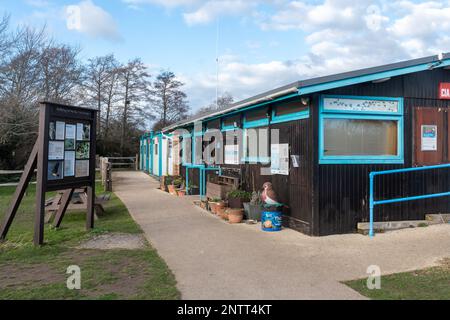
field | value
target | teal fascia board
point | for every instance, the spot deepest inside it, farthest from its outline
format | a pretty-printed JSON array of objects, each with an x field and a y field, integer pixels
[
  {"x": 289, "y": 117},
  {"x": 368, "y": 78}
]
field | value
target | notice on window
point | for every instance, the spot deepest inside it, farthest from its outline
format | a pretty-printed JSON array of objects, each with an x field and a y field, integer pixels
[
  {"x": 55, "y": 150},
  {"x": 69, "y": 163},
  {"x": 82, "y": 168},
  {"x": 429, "y": 138},
  {"x": 232, "y": 154},
  {"x": 279, "y": 155},
  {"x": 60, "y": 129}
]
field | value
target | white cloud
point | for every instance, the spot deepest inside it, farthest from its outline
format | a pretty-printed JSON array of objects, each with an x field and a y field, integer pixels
[
  {"x": 211, "y": 9},
  {"x": 88, "y": 18},
  {"x": 165, "y": 3}
]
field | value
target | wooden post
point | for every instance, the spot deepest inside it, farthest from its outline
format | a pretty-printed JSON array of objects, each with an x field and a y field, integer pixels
[
  {"x": 41, "y": 178},
  {"x": 65, "y": 200},
  {"x": 20, "y": 191},
  {"x": 91, "y": 188}
]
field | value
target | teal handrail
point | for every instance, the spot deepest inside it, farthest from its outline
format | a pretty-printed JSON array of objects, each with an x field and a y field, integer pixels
[{"x": 373, "y": 203}]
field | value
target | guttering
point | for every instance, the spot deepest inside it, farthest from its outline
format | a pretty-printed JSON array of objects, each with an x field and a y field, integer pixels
[{"x": 266, "y": 98}]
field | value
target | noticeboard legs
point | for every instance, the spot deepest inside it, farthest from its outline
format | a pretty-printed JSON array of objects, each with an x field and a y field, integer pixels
[
  {"x": 65, "y": 200},
  {"x": 20, "y": 191},
  {"x": 90, "y": 208}
]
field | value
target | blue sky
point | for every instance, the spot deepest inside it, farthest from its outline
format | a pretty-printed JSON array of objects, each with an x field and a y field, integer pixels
[{"x": 263, "y": 44}]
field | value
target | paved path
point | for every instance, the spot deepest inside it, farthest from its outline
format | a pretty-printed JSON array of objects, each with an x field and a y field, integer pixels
[{"x": 214, "y": 260}]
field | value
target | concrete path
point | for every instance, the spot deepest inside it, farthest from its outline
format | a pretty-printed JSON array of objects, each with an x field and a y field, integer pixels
[{"x": 214, "y": 260}]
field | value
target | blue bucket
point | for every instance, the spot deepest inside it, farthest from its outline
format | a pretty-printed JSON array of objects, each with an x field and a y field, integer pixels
[{"x": 271, "y": 221}]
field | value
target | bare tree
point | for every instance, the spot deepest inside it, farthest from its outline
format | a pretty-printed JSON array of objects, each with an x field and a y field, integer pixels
[
  {"x": 169, "y": 101},
  {"x": 222, "y": 102},
  {"x": 61, "y": 73},
  {"x": 100, "y": 85},
  {"x": 135, "y": 85}
]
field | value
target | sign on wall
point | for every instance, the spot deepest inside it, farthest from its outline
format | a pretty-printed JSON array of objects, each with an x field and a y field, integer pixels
[
  {"x": 232, "y": 154},
  {"x": 360, "y": 105},
  {"x": 444, "y": 90},
  {"x": 429, "y": 137},
  {"x": 279, "y": 157}
]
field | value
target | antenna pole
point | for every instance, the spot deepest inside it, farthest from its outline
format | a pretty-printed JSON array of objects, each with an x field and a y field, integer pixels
[{"x": 217, "y": 64}]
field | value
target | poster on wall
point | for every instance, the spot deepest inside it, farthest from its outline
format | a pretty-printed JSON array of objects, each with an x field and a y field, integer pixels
[
  {"x": 429, "y": 137},
  {"x": 69, "y": 163},
  {"x": 55, "y": 170},
  {"x": 279, "y": 155},
  {"x": 232, "y": 154},
  {"x": 55, "y": 150},
  {"x": 69, "y": 143},
  {"x": 60, "y": 129},
  {"x": 82, "y": 168}
]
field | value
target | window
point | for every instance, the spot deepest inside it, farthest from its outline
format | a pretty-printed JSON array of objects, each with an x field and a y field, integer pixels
[
  {"x": 360, "y": 130},
  {"x": 256, "y": 118},
  {"x": 289, "y": 111},
  {"x": 256, "y": 145},
  {"x": 156, "y": 147},
  {"x": 230, "y": 123}
]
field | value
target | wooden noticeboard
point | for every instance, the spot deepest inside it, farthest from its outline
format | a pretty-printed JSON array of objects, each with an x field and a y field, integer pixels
[{"x": 64, "y": 156}]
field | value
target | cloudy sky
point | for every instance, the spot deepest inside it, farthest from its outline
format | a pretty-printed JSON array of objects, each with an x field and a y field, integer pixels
[{"x": 262, "y": 44}]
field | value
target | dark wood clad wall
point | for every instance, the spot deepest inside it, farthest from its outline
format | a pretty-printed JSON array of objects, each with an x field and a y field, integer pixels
[{"x": 343, "y": 190}]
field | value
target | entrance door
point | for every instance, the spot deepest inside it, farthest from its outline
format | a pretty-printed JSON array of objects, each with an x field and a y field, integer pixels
[{"x": 429, "y": 136}]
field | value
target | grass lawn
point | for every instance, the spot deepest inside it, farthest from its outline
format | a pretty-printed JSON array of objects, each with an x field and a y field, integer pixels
[
  {"x": 427, "y": 284},
  {"x": 28, "y": 272}
]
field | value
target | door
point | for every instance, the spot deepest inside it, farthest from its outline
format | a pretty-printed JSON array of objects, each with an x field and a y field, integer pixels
[{"x": 429, "y": 136}]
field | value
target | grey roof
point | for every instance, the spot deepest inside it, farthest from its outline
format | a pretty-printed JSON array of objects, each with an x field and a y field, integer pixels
[{"x": 311, "y": 82}]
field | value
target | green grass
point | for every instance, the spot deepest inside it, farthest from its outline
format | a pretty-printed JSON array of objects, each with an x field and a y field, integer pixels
[
  {"x": 28, "y": 272},
  {"x": 427, "y": 284}
]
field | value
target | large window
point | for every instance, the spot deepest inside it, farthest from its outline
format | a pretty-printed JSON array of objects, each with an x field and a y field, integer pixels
[
  {"x": 360, "y": 130},
  {"x": 256, "y": 118},
  {"x": 256, "y": 145}
]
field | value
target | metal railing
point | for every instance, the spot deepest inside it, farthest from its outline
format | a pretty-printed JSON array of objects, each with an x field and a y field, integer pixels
[{"x": 373, "y": 203}]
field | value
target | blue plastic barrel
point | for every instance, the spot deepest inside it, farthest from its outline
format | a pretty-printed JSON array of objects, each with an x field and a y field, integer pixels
[{"x": 271, "y": 221}]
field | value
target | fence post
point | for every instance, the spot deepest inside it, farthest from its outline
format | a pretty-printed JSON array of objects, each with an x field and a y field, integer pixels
[{"x": 371, "y": 204}]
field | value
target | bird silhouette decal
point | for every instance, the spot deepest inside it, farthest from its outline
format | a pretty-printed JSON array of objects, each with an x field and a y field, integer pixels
[{"x": 268, "y": 196}]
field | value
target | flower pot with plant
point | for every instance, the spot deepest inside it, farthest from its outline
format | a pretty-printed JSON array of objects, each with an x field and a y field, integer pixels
[
  {"x": 194, "y": 190},
  {"x": 254, "y": 208},
  {"x": 222, "y": 212},
  {"x": 235, "y": 215},
  {"x": 237, "y": 197},
  {"x": 213, "y": 204}
]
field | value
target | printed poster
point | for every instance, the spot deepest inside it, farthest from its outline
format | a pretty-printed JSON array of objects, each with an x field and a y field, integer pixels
[
  {"x": 82, "y": 168},
  {"x": 55, "y": 170},
  {"x": 52, "y": 131},
  {"x": 429, "y": 138},
  {"x": 69, "y": 143},
  {"x": 83, "y": 150},
  {"x": 83, "y": 131},
  {"x": 279, "y": 155},
  {"x": 69, "y": 163},
  {"x": 56, "y": 150},
  {"x": 60, "y": 130}
]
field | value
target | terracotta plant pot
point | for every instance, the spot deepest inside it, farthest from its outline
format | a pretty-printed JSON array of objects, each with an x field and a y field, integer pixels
[
  {"x": 171, "y": 189},
  {"x": 181, "y": 193},
  {"x": 235, "y": 215},
  {"x": 213, "y": 207},
  {"x": 222, "y": 212}
]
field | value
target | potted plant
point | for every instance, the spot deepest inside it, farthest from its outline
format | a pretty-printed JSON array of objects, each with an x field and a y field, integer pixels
[
  {"x": 235, "y": 215},
  {"x": 237, "y": 197},
  {"x": 166, "y": 181},
  {"x": 221, "y": 210},
  {"x": 253, "y": 208},
  {"x": 175, "y": 183},
  {"x": 213, "y": 204}
]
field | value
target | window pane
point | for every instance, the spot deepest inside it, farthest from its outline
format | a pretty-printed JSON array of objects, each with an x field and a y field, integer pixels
[
  {"x": 288, "y": 108},
  {"x": 229, "y": 122},
  {"x": 256, "y": 115},
  {"x": 344, "y": 137}
]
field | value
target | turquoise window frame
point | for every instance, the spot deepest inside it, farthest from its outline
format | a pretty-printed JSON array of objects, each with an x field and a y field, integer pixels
[
  {"x": 364, "y": 115},
  {"x": 223, "y": 127},
  {"x": 183, "y": 158},
  {"x": 255, "y": 123},
  {"x": 289, "y": 117},
  {"x": 193, "y": 139},
  {"x": 258, "y": 159}
]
